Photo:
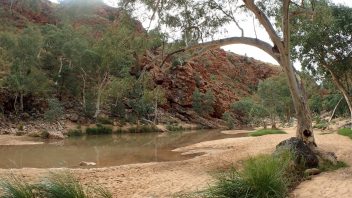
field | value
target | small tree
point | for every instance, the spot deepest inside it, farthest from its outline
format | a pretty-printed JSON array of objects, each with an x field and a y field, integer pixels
[
  {"x": 55, "y": 110},
  {"x": 203, "y": 103}
]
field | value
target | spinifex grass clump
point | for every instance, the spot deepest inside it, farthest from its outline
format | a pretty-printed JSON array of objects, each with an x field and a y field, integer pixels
[
  {"x": 62, "y": 185},
  {"x": 14, "y": 187},
  {"x": 57, "y": 185},
  {"x": 266, "y": 132},
  {"x": 263, "y": 176}
]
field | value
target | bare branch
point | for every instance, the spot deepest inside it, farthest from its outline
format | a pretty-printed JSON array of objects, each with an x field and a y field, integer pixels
[
  {"x": 263, "y": 20},
  {"x": 266, "y": 47},
  {"x": 286, "y": 25}
]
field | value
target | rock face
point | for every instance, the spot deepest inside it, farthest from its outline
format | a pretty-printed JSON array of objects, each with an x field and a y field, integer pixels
[
  {"x": 303, "y": 155},
  {"x": 229, "y": 76}
]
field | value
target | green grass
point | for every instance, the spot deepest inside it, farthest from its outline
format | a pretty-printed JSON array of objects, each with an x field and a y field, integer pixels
[
  {"x": 62, "y": 185},
  {"x": 346, "y": 132},
  {"x": 328, "y": 166},
  {"x": 261, "y": 132},
  {"x": 175, "y": 127},
  {"x": 263, "y": 176},
  {"x": 321, "y": 125},
  {"x": 14, "y": 187},
  {"x": 143, "y": 129},
  {"x": 74, "y": 133},
  {"x": 99, "y": 130},
  {"x": 57, "y": 185},
  {"x": 104, "y": 120}
]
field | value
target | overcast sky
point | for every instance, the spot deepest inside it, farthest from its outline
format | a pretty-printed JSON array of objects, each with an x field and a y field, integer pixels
[{"x": 249, "y": 32}]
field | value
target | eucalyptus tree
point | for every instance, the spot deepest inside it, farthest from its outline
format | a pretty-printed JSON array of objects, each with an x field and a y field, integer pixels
[
  {"x": 25, "y": 76},
  {"x": 209, "y": 15},
  {"x": 324, "y": 46}
]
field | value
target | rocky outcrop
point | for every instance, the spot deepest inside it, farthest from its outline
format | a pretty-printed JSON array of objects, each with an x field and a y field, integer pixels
[
  {"x": 303, "y": 155},
  {"x": 229, "y": 76}
]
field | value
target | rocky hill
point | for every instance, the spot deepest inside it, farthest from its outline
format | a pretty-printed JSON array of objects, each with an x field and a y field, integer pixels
[{"x": 229, "y": 76}]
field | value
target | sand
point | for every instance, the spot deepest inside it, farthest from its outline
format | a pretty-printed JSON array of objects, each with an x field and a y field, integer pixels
[
  {"x": 170, "y": 179},
  {"x": 17, "y": 140}
]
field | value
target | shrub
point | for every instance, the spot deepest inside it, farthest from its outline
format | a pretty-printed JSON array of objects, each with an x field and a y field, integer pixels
[
  {"x": 44, "y": 134},
  {"x": 99, "y": 130},
  {"x": 62, "y": 185},
  {"x": 203, "y": 103},
  {"x": 346, "y": 132},
  {"x": 321, "y": 124},
  {"x": 143, "y": 129},
  {"x": 104, "y": 120},
  {"x": 54, "y": 111},
  {"x": 230, "y": 121},
  {"x": 57, "y": 185},
  {"x": 266, "y": 132},
  {"x": 263, "y": 176},
  {"x": 175, "y": 127},
  {"x": 16, "y": 188},
  {"x": 74, "y": 132}
]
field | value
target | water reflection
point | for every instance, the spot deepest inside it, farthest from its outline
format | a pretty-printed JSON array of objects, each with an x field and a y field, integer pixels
[{"x": 110, "y": 150}]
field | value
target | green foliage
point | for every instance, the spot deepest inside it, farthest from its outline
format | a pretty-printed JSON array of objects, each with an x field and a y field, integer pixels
[
  {"x": 57, "y": 185},
  {"x": 175, "y": 127},
  {"x": 266, "y": 132},
  {"x": 346, "y": 132},
  {"x": 14, "y": 187},
  {"x": 263, "y": 176},
  {"x": 55, "y": 110},
  {"x": 275, "y": 96},
  {"x": 99, "y": 130},
  {"x": 230, "y": 121},
  {"x": 325, "y": 166},
  {"x": 321, "y": 124},
  {"x": 104, "y": 120},
  {"x": 203, "y": 103},
  {"x": 62, "y": 185},
  {"x": 74, "y": 132},
  {"x": 143, "y": 129}
]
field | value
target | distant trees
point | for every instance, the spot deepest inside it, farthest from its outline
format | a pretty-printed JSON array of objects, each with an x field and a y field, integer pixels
[
  {"x": 25, "y": 78},
  {"x": 271, "y": 102},
  {"x": 324, "y": 45}
]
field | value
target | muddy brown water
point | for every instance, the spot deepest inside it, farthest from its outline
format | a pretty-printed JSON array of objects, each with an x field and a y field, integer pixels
[{"x": 106, "y": 150}]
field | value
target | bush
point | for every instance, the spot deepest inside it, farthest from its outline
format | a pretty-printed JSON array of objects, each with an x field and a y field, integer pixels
[
  {"x": 16, "y": 188},
  {"x": 99, "y": 130},
  {"x": 74, "y": 132},
  {"x": 143, "y": 129},
  {"x": 230, "y": 121},
  {"x": 263, "y": 176},
  {"x": 175, "y": 127},
  {"x": 57, "y": 185},
  {"x": 62, "y": 186},
  {"x": 266, "y": 132},
  {"x": 346, "y": 132},
  {"x": 321, "y": 124},
  {"x": 55, "y": 110}
]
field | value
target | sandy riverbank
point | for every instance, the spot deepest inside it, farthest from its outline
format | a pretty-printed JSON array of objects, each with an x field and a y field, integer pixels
[
  {"x": 168, "y": 179},
  {"x": 18, "y": 140}
]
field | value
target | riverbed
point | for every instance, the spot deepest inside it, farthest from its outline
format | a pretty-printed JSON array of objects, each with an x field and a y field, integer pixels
[{"x": 104, "y": 150}]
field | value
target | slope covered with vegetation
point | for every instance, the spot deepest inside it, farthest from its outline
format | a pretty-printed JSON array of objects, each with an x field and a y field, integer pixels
[{"x": 83, "y": 61}]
